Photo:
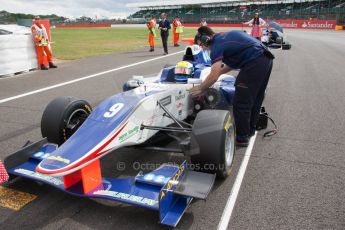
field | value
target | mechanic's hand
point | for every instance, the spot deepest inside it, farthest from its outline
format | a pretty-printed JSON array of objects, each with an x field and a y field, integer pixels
[{"x": 196, "y": 91}]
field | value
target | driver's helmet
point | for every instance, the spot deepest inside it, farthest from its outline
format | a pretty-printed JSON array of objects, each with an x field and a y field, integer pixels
[{"x": 183, "y": 71}]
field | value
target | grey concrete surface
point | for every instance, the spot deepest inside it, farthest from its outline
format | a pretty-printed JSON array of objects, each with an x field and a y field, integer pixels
[{"x": 294, "y": 180}]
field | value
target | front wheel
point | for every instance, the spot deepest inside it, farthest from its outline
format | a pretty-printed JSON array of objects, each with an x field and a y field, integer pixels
[
  {"x": 62, "y": 117},
  {"x": 214, "y": 132}
]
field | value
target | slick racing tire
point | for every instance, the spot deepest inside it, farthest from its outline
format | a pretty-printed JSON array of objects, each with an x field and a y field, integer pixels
[
  {"x": 279, "y": 40},
  {"x": 62, "y": 117},
  {"x": 214, "y": 133},
  {"x": 286, "y": 46}
]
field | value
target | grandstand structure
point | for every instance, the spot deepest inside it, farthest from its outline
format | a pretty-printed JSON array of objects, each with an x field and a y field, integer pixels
[{"x": 236, "y": 11}]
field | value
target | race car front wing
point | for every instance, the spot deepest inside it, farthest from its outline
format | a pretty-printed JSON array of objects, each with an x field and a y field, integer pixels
[{"x": 168, "y": 189}]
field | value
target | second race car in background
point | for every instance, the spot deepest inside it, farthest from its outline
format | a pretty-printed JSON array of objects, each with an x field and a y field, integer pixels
[{"x": 274, "y": 37}]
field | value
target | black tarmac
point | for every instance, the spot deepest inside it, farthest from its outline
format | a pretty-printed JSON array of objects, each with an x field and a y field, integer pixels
[{"x": 294, "y": 180}]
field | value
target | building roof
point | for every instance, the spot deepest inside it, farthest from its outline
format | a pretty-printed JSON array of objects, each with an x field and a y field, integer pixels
[{"x": 170, "y": 3}]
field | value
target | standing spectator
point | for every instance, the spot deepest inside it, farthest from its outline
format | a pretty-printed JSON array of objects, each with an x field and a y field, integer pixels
[
  {"x": 256, "y": 23},
  {"x": 164, "y": 26},
  {"x": 177, "y": 30},
  {"x": 203, "y": 22},
  {"x": 40, "y": 35},
  {"x": 151, "y": 26}
]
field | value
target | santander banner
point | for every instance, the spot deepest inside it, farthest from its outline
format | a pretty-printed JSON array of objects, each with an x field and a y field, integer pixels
[
  {"x": 308, "y": 24},
  {"x": 288, "y": 24}
]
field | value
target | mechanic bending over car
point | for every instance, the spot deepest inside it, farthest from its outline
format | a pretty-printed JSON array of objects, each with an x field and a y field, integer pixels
[{"x": 238, "y": 50}]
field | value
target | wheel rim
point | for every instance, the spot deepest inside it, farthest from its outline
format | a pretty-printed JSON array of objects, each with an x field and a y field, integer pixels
[
  {"x": 75, "y": 120},
  {"x": 229, "y": 147}
]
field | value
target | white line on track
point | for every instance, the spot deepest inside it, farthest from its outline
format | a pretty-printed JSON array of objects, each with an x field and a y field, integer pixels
[
  {"x": 83, "y": 78},
  {"x": 230, "y": 204}
]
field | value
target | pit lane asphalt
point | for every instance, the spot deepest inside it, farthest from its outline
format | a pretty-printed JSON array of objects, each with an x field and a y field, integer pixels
[{"x": 293, "y": 181}]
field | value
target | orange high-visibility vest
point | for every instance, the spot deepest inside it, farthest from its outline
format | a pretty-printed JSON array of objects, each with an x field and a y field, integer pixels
[
  {"x": 176, "y": 23},
  {"x": 152, "y": 27}
]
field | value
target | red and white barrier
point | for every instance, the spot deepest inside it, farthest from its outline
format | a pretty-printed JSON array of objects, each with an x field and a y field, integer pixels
[
  {"x": 288, "y": 24},
  {"x": 308, "y": 24}
]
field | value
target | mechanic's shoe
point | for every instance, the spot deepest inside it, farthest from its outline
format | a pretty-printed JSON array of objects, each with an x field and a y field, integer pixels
[
  {"x": 43, "y": 67},
  {"x": 176, "y": 45},
  {"x": 152, "y": 49},
  {"x": 51, "y": 65},
  {"x": 242, "y": 143}
]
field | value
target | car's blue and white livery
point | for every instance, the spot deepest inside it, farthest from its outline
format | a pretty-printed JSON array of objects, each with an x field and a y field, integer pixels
[{"x": 76, "y": 137}]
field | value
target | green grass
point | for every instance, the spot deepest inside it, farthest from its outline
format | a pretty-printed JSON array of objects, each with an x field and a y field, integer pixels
[
  {"x": 79, "y": 43},
  {"x": 70, "y": 44},
  {"x": 73, "y": 44}
]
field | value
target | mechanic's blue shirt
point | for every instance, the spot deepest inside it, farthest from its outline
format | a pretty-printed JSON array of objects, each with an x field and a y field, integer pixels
[{"x": 235, "y": 48}]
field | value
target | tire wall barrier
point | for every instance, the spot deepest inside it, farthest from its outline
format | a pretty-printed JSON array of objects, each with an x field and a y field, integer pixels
[{"x": 17, "y": 51}]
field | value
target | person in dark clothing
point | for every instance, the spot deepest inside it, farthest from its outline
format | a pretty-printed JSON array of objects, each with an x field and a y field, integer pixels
[
  {"x": 273, "y": 36},
  {"x": 238, "y": 50},
  {"x": 164, "y": 26}
]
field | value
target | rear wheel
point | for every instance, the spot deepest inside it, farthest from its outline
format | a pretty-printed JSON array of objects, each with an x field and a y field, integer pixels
[
  {"x": 286, "y": 46},
  {"x": 62, "y": 117},
  {"x": 214, "y": 132}
]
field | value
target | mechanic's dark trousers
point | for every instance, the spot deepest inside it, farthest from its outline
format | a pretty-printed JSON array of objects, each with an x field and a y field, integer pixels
[
  {"x": 250, "y": 85},
  {"x": 165, "y": 36}
]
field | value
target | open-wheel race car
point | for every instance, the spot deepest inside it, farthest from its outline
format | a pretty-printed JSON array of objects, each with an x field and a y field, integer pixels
[
  {"x": 77, "y": 136},
  {"x": 274, "y": 37}
]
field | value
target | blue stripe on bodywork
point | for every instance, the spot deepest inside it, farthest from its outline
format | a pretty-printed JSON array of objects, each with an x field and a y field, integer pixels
[
  {"x": 227, "y": 88},
  {"x": 94, "y": 130}
]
